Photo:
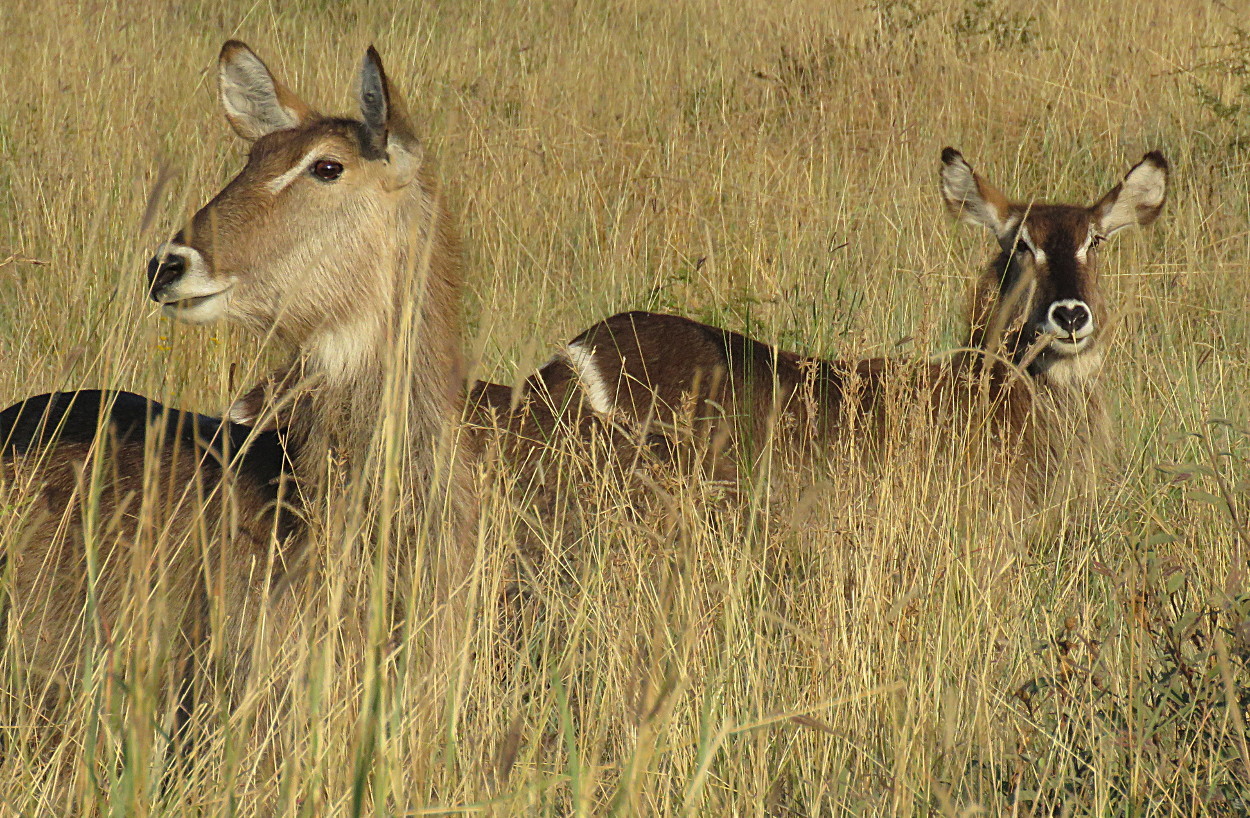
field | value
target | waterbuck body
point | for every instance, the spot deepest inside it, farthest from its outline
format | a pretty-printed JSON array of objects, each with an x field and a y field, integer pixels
[
  {"x": 1028, "y": 377},
  {"x": 332, "y": 241},
  {"x": 126, "y": 510}
]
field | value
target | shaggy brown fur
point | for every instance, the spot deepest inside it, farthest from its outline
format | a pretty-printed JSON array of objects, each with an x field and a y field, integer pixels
[{"x": 333, "y": 240}]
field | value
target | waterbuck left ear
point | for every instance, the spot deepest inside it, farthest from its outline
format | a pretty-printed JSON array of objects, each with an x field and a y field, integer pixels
[
  {"x": 1136, "y": 200},
  {"x": 386, "y": 120},
  {"x": 256, "y": 104},
  {"x": 970, "y": 198}
]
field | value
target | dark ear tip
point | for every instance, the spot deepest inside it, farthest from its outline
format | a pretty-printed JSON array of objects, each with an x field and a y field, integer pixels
[
  {"x": 950, "y": 156},
  {"x": 1157, "y": 159},
  {"x": 231, "y": 47},
  {"x": 372, "y": 55}
]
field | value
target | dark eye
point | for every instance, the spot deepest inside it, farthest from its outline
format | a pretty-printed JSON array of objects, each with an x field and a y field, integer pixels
[{"x": 327, "y": 170}]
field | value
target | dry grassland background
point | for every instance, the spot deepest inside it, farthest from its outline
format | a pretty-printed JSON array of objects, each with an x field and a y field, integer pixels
[{"x": 768, "y": 167}]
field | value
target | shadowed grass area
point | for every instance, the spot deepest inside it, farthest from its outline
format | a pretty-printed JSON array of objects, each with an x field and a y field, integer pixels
[{"x": 827, "y": 641}]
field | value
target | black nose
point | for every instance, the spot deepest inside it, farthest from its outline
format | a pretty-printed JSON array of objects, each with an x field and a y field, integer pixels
[
  {"x": 1070, "y": 318},
  {"x": 162, "y": 270}
]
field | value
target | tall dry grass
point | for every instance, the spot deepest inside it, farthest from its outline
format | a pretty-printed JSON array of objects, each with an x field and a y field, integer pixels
[{"x": 839, "y": 643}]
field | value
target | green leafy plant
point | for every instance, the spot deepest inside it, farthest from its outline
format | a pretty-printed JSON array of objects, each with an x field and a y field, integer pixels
[
  {"x": 1181, "y": 658},
  {"x": 1221, "y": 87}
]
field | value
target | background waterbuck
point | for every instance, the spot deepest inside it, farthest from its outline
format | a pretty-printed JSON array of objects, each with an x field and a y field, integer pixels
[
  {"x": 1029, "y": 374},
  {"x": 333, "y": 241}
]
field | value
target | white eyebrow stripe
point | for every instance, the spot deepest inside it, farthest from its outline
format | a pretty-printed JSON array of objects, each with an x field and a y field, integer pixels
[
  {"x": 280, "y": 183},
  {"x": 1027, "y": 240}
]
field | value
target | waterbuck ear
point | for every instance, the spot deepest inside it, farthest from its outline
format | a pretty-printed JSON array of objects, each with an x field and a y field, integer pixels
[
  {"x": 970, "y": 198},
  {"x": 386, "y": 120},
  {"x": 256, "y": 104},
  {"x": 1136, "y": 200}
]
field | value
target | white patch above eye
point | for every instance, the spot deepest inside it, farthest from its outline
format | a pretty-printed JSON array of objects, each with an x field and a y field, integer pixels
[
  {"x": 1039, "y": 255},
  {"x": 1091, "y": 241},
  {"x": 281, "y": 183}
]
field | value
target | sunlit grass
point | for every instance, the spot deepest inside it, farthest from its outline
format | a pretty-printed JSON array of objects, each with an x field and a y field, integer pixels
[{"x": 829, "y": 642}]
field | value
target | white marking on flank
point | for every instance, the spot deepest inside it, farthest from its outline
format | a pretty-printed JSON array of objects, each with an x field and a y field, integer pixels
[
  {"x": 241, "y": 412},
  {"x": 280, "y": 183},
  {"x": 583, "y": 361}
]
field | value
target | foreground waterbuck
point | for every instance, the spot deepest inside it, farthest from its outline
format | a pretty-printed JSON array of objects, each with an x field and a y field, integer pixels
[
  {"x": 1028, "y": 374},
  {"x": 333, "y": 239}
]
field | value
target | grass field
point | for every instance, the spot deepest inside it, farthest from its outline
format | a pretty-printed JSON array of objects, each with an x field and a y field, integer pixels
[{"x": 841, "y": 646}]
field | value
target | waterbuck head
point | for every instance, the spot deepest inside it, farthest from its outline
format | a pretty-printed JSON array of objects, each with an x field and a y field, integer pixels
[
  {"x": 1039, "y": 301},
  {"x": 309, "y": 241}
]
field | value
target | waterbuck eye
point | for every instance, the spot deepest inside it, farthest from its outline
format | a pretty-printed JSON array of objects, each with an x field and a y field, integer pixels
[{"x": 327, "y": 170}]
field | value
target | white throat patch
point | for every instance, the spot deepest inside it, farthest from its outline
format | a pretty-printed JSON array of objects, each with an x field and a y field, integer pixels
[
  {"x": 1074, "y": 370},
  {"x": 344, "y": 350}
]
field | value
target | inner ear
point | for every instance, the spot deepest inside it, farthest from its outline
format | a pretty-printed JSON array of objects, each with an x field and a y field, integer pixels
[
  {"x": 256, "y": 104},
  {"x": 971, "y": 199},
  {"x": 386, "y": 122},
  {"x": 374, "y": 104},
  {"x": 1137, "y": 200},
  {"x": 381, "y": 107}
]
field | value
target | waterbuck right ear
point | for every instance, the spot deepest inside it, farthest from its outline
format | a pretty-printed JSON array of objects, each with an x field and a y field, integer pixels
[
  {"x": 970, "y": 198},
  {"x": 386, "y": 118},
  {"x": 1136, "y": 200},
  {"x": 256, "y": 104}
]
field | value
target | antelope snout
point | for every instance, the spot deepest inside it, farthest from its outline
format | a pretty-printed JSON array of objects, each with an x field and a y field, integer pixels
[
  {"x": 1071, "y": 316},
  {"x": 1070, "y": 321},
  {"x": 164, "y": 268},
  {"x": 180, "y": 280}
]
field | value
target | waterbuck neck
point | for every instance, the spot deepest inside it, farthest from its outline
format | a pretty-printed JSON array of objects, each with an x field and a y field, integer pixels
[{"x": 398, "y": 359}]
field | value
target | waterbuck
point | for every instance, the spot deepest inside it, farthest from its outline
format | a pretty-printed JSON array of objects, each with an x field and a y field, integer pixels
[
  {"x": 334, "y": 241},
  {"x": 1028, "y": 374}
]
